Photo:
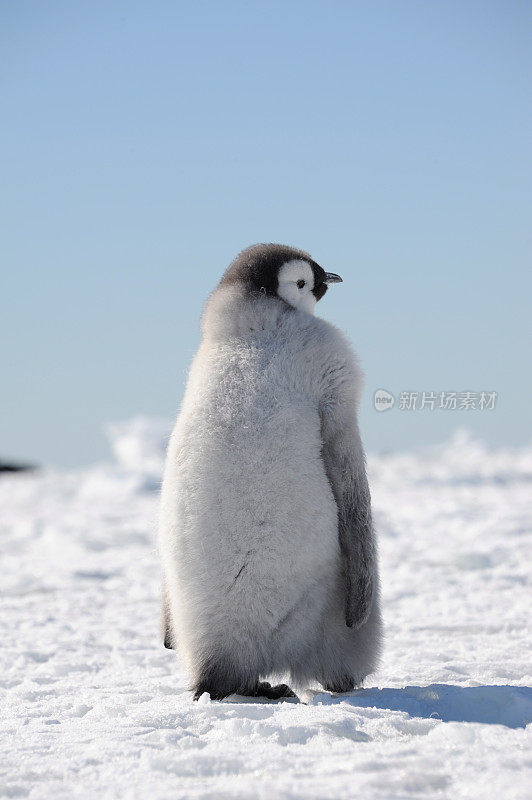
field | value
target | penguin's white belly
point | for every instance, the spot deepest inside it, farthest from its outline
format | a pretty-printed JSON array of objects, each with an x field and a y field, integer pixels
[{"x": 255, "y": 527}]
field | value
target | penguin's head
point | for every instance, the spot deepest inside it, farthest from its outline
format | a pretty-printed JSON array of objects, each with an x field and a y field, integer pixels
[{"x": 280, "y": 271}]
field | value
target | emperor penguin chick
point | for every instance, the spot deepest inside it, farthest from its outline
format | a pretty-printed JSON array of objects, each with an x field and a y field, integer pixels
[{"x": 266, "y": 537}]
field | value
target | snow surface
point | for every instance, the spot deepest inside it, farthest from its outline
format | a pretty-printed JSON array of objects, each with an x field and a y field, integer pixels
[{"x": 94, "y": 707}]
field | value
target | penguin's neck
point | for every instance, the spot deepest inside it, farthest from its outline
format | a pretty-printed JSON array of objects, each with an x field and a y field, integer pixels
[{"x": 233, "y": 311}]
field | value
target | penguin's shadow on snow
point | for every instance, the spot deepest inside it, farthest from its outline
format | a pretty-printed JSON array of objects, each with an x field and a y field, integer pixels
[{"x": 494, "y": 705}]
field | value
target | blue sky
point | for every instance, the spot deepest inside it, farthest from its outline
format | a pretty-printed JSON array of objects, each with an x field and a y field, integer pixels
[{"x": 145, "y": 143}]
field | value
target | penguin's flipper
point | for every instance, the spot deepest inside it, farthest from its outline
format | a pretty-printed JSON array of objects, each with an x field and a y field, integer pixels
[
  {"x": 166, "y": 627},
  {"x": 345, "y": 465},
  {"x": 168, "y": 640},
  {"x": 357, "y": 543}
]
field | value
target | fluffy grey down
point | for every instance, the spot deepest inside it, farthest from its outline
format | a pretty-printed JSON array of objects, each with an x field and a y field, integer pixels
[{"x": 266, "y": 538}]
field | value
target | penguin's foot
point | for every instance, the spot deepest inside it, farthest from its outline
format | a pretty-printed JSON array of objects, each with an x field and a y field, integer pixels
[
  {"x": 340, "y": 686},
  {"x": 265, "y": 689},
  {"x": 261, "y": 689}
]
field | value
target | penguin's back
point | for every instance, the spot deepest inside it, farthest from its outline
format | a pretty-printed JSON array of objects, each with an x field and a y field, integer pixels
[{"x": 249, "y": 526}]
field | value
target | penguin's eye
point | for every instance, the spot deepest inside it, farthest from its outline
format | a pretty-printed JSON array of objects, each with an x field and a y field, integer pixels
[{"x": 300, "y": 283}]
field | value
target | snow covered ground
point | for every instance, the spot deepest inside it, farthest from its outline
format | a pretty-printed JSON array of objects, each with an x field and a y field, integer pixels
[{"x": 94, "y": 707}]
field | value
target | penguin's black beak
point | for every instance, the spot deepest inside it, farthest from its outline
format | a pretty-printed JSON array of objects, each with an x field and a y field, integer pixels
[{"x": 330, "y": 277}]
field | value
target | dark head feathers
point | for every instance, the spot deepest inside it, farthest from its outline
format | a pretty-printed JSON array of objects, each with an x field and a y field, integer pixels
[{"x": 257, "y": 267}]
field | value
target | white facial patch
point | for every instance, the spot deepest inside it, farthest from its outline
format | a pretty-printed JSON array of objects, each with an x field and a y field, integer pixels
[{"x": 296, "y": 282}]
